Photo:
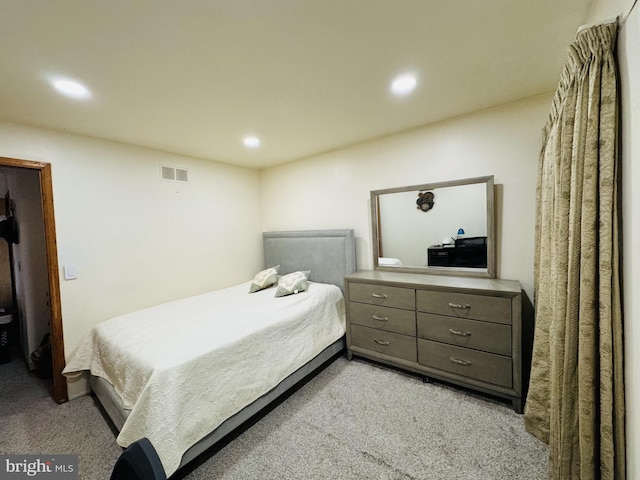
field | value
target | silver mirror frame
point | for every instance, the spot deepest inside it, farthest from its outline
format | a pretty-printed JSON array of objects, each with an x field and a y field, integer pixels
[{"x": 491, "y": 241}]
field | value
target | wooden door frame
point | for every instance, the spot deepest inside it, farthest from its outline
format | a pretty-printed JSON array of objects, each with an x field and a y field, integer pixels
[{"x": 60, "y": 394}]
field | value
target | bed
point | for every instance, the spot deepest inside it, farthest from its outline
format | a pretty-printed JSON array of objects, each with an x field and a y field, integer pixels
[{"x": 150, "y": 387}]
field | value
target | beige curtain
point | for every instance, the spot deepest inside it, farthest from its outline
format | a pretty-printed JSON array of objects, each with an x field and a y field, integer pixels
[{"x": 576, "y": 392}]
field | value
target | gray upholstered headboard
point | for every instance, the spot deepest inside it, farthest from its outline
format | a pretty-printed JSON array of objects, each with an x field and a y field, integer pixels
[{"x": 328, "y": 254}]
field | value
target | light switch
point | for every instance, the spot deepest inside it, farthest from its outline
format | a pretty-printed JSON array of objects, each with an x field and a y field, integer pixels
[{"x": 70, "y": 272}]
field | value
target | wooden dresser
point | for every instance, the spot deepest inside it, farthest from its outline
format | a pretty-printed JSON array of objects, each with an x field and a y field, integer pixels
[{"x": 465, "y": 331}]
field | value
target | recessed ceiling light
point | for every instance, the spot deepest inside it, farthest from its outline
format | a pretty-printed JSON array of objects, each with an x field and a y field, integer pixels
[
  {"x": 71, "y": 88},
  {"x": 404, "y": 84},
  {"x": 251, "y": 142}
]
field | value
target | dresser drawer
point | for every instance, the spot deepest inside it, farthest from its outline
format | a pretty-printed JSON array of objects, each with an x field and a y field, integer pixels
[
  {"x": 394, "y": 344},
  {"x": 384, "y": 318},
  {"x": 487, "y": 367},
  {"x": 477, "y": 307},
  {"x": 382, "y": 295},
  {"x": 489, "y": 337}
]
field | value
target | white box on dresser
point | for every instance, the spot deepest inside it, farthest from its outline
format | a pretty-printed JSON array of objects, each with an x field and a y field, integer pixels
[{"x": 466, "y": 331}]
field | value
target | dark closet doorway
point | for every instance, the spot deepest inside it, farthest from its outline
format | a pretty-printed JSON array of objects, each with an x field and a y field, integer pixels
[{"x": 52, "y": 282}]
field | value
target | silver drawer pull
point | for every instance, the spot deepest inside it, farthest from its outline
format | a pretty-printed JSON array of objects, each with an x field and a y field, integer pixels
[
  {"x": 459, "y": 305},
  {"x": 378, "y": 295},
  {"x": 381, "y": 342},
  {"x": 382, "y": 319},
  {"x": 459, "y": 361},
  {"x": 460, "y": 333}
]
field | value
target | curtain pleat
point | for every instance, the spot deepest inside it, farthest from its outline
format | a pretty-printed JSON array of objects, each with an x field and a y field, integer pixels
[{"x": 575, "y": 401}]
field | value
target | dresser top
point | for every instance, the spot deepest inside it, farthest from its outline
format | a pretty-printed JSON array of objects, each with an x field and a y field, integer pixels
[{"x": 439, "y": 281}]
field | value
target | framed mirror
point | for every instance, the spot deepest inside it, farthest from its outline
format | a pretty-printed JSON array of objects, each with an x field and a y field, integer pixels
[{"x": 444, "y": 228}]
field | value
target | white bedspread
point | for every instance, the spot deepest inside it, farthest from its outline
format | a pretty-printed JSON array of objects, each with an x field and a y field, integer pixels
[{"x": 186, "y": 366}]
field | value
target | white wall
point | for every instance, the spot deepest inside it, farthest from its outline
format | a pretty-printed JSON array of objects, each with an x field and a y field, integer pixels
[
  {"x": 607, "y": 10},
  {"x": 138, "y": 240},
  {"x": 332, "y": 190},
  {"x": 628, "y": 47}
]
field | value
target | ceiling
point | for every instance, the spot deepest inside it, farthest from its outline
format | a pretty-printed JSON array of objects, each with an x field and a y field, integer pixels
[{"x": 194, "y": 77}]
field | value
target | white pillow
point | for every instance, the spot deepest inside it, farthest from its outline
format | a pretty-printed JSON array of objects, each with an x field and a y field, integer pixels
[
  {"x": 264, "y": 279},
  {"x": 291, "y": 283}
]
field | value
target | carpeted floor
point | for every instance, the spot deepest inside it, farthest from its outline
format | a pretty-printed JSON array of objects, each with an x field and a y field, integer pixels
[{"x": 355, "y": 420}]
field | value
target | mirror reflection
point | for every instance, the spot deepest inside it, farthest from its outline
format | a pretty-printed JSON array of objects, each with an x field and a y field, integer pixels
[{"x": 442, "y": 228}]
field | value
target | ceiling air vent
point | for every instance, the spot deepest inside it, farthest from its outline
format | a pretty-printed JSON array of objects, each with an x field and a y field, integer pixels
[{"x": 174, "y": 174}]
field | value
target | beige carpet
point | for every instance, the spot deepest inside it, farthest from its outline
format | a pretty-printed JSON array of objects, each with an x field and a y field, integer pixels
[{"x": 355, "y": 420}]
